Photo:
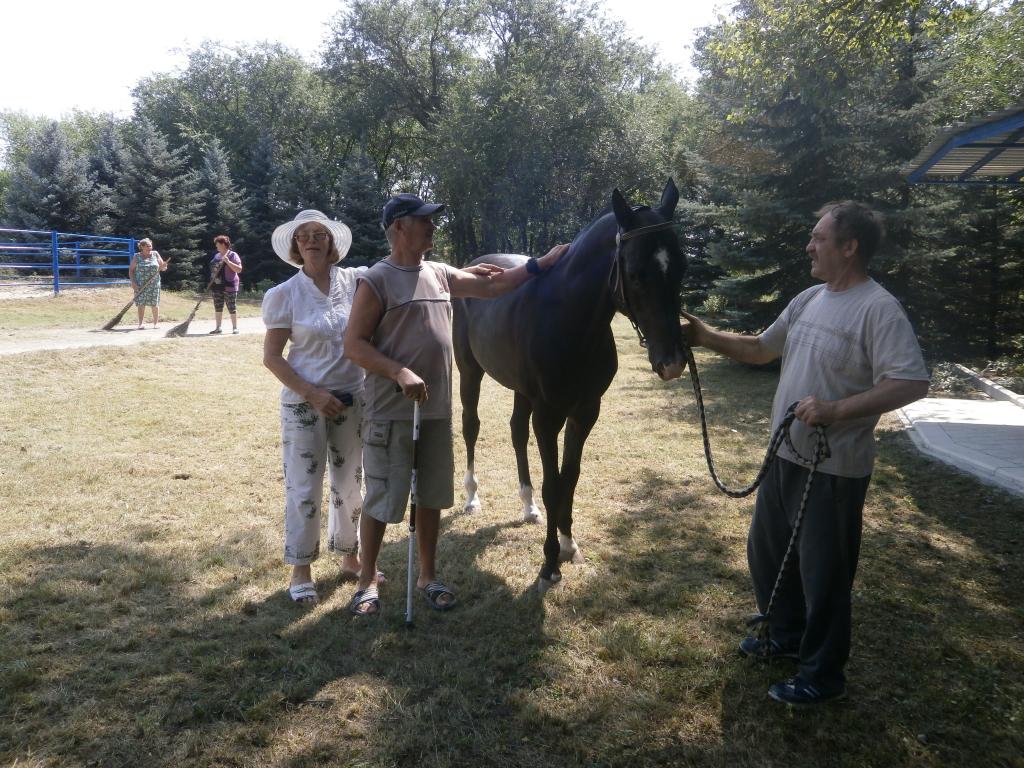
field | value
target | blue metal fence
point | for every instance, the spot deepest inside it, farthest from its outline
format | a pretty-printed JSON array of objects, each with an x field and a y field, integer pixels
[{"x": 30, "y": 257}]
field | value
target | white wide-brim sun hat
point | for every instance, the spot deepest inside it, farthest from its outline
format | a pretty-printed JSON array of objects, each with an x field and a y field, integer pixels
[{"x": 281, "y": 240}]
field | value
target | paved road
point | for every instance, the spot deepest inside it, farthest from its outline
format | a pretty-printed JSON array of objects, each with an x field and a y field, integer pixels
[
  {"x": 13, "y": 342},
  {"x": 982, "y": 437}
]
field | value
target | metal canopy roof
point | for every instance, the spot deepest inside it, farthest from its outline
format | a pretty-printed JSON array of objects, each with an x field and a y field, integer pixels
[{"x": 989, "y": 150}]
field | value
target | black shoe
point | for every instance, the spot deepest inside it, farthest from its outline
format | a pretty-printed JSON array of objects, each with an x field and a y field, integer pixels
[
  {"x": 800, "y": 693},
  {"x": 216, "y": 331},
  {"x": 755, "y": 647}
]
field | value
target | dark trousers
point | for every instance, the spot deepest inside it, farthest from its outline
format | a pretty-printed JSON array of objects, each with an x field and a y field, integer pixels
[{"x": 812, "y": 607}]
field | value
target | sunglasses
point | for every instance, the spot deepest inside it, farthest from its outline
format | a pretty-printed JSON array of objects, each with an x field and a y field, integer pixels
[{"x": 316, "y": 237}]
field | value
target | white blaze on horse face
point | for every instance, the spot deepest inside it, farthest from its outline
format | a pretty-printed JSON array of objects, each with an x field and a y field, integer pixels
[{"x": 661, "y": 258}]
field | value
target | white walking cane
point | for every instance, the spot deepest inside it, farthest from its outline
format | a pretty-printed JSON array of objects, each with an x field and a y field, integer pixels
[{"x": 412, "y": 513}]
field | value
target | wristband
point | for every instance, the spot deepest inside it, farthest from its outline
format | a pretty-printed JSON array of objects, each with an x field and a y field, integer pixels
[{"x": 533, "y": 267}]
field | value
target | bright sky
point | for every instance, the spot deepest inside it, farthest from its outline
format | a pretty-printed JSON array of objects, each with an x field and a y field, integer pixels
[{"x": 59, "y": 55}]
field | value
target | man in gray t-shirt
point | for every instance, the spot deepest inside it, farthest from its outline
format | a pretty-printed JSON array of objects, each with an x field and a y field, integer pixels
[
  {"x": 848, "y": 356},
  {"x": 400, "y": 332}
]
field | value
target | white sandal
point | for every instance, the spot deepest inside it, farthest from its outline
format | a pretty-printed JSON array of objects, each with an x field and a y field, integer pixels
[{"x": 304, "y": 593}]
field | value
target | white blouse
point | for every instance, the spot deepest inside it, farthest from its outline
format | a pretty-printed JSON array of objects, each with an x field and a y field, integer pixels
[{"x": 317, "y": 324}]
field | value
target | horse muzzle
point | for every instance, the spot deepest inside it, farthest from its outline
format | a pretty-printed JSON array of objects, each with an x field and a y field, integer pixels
[{"x": 669, "y": 371}]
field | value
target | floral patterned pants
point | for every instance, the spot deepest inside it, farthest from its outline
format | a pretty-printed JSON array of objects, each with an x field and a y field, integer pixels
[{"x": 309, "y": 443}]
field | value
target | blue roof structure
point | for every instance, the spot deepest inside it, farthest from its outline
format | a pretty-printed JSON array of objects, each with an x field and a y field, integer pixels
[{"x": 987, "y": 151}]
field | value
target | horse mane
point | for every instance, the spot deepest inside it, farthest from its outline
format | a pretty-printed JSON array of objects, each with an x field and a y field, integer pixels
[{"x": 599, "y": 220}]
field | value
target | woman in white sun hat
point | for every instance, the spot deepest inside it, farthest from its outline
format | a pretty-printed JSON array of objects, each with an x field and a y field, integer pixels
[{"x": 321, "y": 405}]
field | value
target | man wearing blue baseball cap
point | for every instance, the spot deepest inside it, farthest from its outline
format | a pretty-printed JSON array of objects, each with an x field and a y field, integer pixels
[{"x": 400, "y": 331}]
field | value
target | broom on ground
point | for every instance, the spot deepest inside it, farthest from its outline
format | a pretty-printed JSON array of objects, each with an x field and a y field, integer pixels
[
  {"x": 112, "y": 323},
  {"x": 181, "y": 328}
]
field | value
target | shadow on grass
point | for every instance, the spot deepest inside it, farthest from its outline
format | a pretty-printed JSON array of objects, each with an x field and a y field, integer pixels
[{"x": 111, "y": 659}]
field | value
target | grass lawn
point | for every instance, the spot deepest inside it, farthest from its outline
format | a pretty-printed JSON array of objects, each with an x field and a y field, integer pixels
[{"x": 144, "y": 621}]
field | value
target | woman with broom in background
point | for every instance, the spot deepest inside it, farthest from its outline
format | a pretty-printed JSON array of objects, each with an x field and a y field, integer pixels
[
  {"x": 225, "y": 266},
  {"x": 144, "y": 274}
]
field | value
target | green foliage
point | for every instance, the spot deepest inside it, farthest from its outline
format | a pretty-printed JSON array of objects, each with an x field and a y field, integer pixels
[
  {"x": 51, "y": 187},
  {"x": 158, "y": 197},
  {"x": 224, "y": 208},
  {"x": 821, "y": 101},
  {"x": 522, "y": 115}
]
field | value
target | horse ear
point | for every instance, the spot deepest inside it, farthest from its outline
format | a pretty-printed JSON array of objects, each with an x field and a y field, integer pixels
[
  {"x": 623, "y": 213},
  {"x": 669, "y": 198}
]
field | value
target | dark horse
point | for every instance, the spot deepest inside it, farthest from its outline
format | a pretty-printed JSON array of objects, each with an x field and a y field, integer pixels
[{"x": 551, "y": 342}]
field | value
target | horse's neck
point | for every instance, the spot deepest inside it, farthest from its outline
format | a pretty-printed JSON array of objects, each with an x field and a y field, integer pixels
[
  {"x": 585, "y": 291},
  {"x": 590, "y": 261}
]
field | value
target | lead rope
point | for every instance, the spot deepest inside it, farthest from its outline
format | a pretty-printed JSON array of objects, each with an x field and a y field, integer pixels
[{"x": 821, "y": 452}]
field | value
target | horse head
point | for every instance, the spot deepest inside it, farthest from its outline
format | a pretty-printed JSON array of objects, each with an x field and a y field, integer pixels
[{"x": 646, "y": 277}]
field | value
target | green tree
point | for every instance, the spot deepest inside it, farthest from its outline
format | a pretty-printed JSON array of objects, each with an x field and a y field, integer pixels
[
  {"x": 159, "y": 198},
  {"x": 223, "y": 201},
  {"x": 360, "y": 200},
  {"x": 51, "y": 187},
  {"x": 815, "y": 101}
]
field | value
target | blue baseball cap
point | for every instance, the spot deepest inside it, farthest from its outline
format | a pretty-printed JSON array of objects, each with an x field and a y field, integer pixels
[{"x": 406, "y": 204}]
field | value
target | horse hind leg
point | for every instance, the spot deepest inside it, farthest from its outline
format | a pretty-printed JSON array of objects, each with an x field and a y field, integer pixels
[
  {"x": 520, "y": 425},
  {"x": 470, "y": 376}
]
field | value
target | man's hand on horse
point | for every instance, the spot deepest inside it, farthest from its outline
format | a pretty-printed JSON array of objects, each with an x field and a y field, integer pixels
[
  {"x": 484, "y": 270},
  {"x": 814, "y": 412}
]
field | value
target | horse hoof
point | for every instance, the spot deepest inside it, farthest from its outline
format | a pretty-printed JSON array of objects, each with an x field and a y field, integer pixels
[
  {"x": 543, "y": 585},
  {"x": 532, "y": 516},
  {"x": 570, "y": 556},
  {"x": 568, "y": 550},
  {"x": 472, "y": 507}
]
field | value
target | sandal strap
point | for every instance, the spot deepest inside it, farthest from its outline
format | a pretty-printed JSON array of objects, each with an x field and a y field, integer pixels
[
  {"x": 364, "y": 596},
  {"x": 302, "y": 591},
  {"x": 436, "y": 588}
]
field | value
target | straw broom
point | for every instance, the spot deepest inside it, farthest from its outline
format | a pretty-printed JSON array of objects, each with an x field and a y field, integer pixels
[
  {"x": 112, "y": 322},
  {"x": 181, "y": 328}
]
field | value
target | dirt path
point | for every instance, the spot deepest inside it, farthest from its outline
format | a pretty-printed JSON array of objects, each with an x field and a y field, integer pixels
[{"x": 16, "y": 342}]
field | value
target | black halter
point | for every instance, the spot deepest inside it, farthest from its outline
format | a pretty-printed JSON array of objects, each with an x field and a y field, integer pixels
[{"x": 616, "y": 281}]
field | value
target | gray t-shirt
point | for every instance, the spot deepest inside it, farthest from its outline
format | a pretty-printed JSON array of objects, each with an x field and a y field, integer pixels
[
  {"x": 416, "y": 331},
  {"x": 835, "y": 344}
]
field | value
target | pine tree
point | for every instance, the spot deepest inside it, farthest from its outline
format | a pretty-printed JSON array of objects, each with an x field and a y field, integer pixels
[
  {"x": 106, "y": 164},
  {"x": 159, "y": 198},
  {"x": 224, "y": 202},
  {"x": 52, "y": 188},
  {"x": 360, "y": 202},
  {"x": 264, "y": 213}
]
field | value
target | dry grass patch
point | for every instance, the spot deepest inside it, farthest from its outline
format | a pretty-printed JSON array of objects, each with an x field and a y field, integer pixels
[{"x": 143, "y": 618}]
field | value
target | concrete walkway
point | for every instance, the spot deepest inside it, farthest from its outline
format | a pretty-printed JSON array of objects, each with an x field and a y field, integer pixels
[
  {"x": 982, "y": 437},
  {"x": 14, "y": 342}
]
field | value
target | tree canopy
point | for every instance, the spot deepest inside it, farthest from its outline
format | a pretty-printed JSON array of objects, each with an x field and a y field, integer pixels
[{"x": 523, "y": 115}]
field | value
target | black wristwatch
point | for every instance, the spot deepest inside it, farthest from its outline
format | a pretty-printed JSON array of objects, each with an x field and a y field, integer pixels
[{"x": 533, "y": 267}]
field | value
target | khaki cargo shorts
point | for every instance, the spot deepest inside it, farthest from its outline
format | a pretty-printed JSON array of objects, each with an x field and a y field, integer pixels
[{"x": 387, "y": 467}]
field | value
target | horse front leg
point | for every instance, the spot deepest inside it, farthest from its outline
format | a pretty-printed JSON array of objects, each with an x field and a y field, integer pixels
[
  {"x": 470, "y": 376},
  {"x": 520, "y": 425},
  {"x": 546, "y": 427},
  {"x": 577, "y": 429}
]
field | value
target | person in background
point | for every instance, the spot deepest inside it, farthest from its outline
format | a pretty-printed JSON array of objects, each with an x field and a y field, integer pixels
[
  {"x": 321, "y": 405},
  {"x": 144, "y": 275},
  {"x": 849, "y": 355},
  {"x": 225, "y": 281}
]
